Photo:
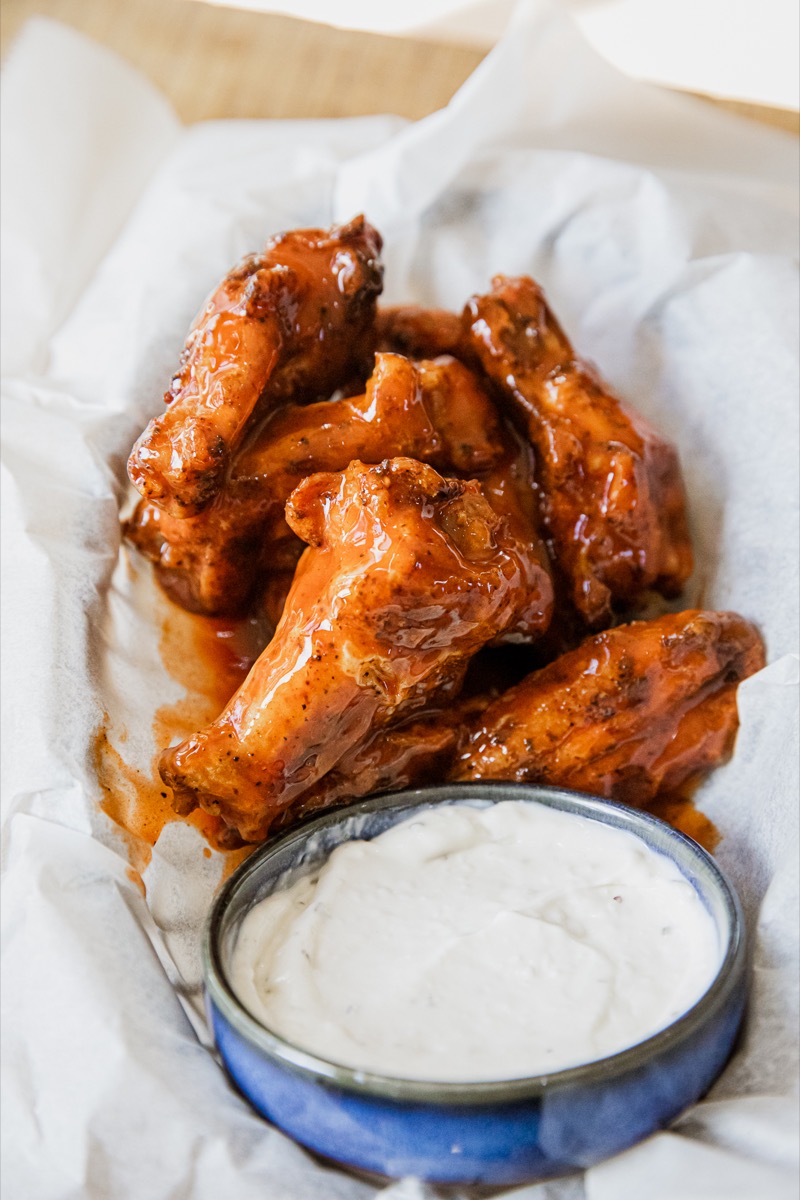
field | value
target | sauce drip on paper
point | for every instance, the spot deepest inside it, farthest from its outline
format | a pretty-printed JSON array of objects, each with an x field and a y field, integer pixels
[
  {"x": 679, "y": 811},
  {"x": 210, "y": 658}
]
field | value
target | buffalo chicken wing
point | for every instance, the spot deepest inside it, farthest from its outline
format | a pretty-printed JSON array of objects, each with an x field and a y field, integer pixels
[
  {"x": 436, "y": 412},
  {"x": 286, "y": 324},
  {"x": 407, "y": 575},
  {"x": 612, "y": 498},
  {"x": 632, "y": 712},
  {"x": 408, "y": 754},
  {"x": 419, "y": 332}
]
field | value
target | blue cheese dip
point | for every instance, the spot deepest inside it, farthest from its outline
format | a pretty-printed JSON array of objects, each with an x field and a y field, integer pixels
[{"x": 472, "y": 944}]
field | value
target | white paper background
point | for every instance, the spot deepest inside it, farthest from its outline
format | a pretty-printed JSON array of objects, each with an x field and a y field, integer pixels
[{"x": 665, "y": 233}]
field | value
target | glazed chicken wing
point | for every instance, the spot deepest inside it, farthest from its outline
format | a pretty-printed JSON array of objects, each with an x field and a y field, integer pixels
[
  {"x": 409, "y": 754},
  {"x": 508, "y": 485},
  {"x": 631, "y": 712},
  {"x": 408, "y": 574},
  {"x": 612, "y": 496},
  {"x": 286, "y": 324},
  {"x": 510, "y": 488},
  {"x": 419, "y": 332},
  {"x": 433, "y": 411}
]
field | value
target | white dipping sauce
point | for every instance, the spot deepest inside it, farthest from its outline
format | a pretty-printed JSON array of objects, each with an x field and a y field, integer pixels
[{"x": 478, "y": 943}]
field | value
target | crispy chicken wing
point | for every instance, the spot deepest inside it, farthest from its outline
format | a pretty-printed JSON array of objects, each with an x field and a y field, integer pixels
[
  {"x": 408, "y": 574},
  {"x": 631, "y": 712},
  {"x": 286, "y": 324},
  {"x": 434, "y": 411},
  {"x": 611, "y": 490}
]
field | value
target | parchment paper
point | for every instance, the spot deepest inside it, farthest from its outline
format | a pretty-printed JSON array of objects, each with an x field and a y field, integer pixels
[{"x": 664, "y": 233}]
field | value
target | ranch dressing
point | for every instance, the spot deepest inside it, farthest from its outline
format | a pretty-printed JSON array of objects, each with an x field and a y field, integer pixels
[{"x": 478, "y": 943}]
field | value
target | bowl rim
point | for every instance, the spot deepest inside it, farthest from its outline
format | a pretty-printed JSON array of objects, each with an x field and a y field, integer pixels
[{"x": 481, "y": 1092}]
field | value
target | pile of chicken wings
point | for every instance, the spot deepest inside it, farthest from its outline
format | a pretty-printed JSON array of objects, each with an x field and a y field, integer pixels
[{"x": 450, "y": 517}]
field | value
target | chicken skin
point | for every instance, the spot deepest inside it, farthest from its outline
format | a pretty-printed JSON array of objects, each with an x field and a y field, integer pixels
[
  {"x": 410, "y": 754},
  {"x": 408, "y": 574},
  {"x": 286, "y": 324},
  {"x": 435, "y": 411},
  {"x": 510, "y": 488},
  {"x": 632, "y": 712},
  {"x": 612, "y": 499},
  {"x": 419, "y": 332}
]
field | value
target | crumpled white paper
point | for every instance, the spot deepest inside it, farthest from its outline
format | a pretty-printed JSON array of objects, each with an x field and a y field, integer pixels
[{"x": 663, "y": 232}]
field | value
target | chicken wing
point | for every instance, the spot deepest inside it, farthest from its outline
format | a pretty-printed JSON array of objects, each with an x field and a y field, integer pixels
[
  {"x": 286, "y": 324},
  {"x": 472, "y": 438},
  {"x": 419, "y": 332},
  {"x": 510, "y": 488},
  {"x": 406, "y": 755},
  {"x": 631, "y": 712},
  {"x": 408, "y": 574},
  {"x": 433, "y": 411},
  {"x": 612, "y": 498}
]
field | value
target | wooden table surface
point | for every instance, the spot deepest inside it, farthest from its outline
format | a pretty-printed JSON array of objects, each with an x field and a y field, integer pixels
[{"x": 221, "y": 62}]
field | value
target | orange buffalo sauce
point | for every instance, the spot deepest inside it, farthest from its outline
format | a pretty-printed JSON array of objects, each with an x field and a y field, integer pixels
[
  {"x": 130, "y": 798},
  {"x": 679, "y": 811},
  {"x": 210, "y": 657}
]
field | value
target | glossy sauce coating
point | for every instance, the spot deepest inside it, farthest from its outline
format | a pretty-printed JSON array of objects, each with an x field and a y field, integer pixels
[
  {"x": 434, "y": 411},
  {"x": 408, "y": 575},
  {"x": 510, "y": 487},
  {"x": 288, "y": 323},
  {"x": 411, "y": 753},
  {"x": 632, "y": 712},
  {"x": 407, "y": 755},
  {"x": 419, "y": 332},
  {"x": 612, "y": 497}
]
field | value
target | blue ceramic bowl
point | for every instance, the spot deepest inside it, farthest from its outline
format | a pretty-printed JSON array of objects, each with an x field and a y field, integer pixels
[{"x": 496, "y": 1133}]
